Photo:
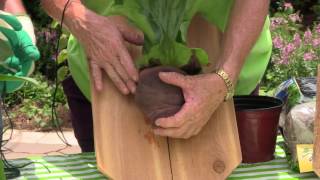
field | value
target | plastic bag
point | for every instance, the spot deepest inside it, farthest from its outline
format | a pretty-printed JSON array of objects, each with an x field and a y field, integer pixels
[{"x": 297, "y": 118}]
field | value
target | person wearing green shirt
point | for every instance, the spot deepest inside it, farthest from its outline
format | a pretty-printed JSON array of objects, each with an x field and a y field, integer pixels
[{"x": 99, "y": 43}]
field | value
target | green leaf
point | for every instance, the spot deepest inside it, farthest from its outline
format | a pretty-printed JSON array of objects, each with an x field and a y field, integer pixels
[
  {"x": 165, "y": 30},
  {"x": 138, "y": 19},
  {"x": 201, "y": 55},
  {"x": 54, "y": 24},
  {"x": 63, "y": 41},
  {"x": 168, "y": 57},
  {"x": 63, "y": 56},
  {"x": 62, "y": 73},
  {"x": 15, "y": 78}
]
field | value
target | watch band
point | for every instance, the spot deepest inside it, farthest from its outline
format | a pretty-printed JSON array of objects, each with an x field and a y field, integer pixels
[{"x": 225, "y": 77}]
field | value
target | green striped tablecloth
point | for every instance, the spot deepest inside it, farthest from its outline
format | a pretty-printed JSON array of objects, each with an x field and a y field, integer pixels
[{"x": 83, "y": 166}]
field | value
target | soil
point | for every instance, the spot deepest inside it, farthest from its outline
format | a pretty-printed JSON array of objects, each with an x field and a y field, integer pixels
[{"x": 155, "y": 98}]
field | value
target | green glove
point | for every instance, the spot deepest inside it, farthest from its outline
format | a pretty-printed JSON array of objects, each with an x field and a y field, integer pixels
[{"x": 18, "y": 51}]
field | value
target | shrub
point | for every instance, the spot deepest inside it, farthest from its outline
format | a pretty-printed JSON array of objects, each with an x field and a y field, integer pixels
[
  {"x": 296, "y": 52},
  {"x": 31, "y": 105}
]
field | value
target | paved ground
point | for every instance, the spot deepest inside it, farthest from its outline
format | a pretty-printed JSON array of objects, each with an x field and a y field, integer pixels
[{"x": 28, "y": 143}]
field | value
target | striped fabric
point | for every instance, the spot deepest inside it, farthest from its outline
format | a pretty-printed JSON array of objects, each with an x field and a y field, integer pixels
[
  {"x": 67, "y": 167},
  {"x": 83, "y": 166}
]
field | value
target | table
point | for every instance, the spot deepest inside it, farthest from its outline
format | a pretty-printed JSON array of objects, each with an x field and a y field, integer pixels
[{"x": 83, "y": 166}]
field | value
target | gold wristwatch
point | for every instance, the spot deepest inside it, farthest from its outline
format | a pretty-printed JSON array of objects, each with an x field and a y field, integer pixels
[{"x": 227, "y": 81}]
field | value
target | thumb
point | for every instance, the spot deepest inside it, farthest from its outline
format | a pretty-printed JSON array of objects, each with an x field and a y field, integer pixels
[
  {"x": 128, "y": 32},
  {"x": 173, "y": 78},
  {"x": 32, "y": 53},
  {"x": 132, "y": 35}
]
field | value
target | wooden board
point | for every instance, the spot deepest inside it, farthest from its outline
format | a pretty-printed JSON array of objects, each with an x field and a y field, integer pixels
[
  {"x": 316, "y": 156},
  {"x": 127, "y": 149},
  {"x": 125, "y": 145},
  {"x": 212, "y": 154},
  {"x": 215, "y": 152}
]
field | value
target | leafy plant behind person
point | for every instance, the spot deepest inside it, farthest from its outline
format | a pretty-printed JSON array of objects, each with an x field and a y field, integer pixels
[
  {"x": 295, "y": 52},
  {"x": 32, "y": 104}
]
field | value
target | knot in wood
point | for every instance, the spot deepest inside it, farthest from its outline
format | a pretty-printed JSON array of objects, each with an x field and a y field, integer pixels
[{"x": 219, "y": 166}]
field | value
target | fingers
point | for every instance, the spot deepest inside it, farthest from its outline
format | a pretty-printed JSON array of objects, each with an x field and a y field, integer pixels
[
  {"x": 175, "y": 121},
  {"x": 115, "y": 78},
  {"x": 124, "y": 76},
  {"x": 133, "y": 37},
  {"x": 11, "y": 20},
  {"x": 32, "y": 53},
  {"x": 113, "y": 75},
  {"x": 173, "y": 78},
  {"x": 121, "y": 71},
  {"x": 96, "y": 75},
  {"x": 184, "y": 132},
  {"x": 11, "y": 36},
  {"x": 127, "y": 62}
]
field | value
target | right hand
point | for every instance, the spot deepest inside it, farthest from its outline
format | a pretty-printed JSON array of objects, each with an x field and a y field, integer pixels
[
  {"x": 104, "y": 40},
  {"x": 17, "y": 49}
]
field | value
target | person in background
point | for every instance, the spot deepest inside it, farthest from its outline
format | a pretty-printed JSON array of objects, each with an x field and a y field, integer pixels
[
  {"x": 99, "y": 43},
  {"x": 18, "y": 49}
]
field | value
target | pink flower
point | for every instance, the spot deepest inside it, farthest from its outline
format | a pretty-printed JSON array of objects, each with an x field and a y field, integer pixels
[
  {"x": 287, "y": 6},
  {"x": 288, "y": 49},
  {"x": 316, "y": 42},
  {"x": 309, "y": 56},
  {"x": 308, "y": 36},
  {"x": 277, "y": 42},
  {"x": 297, "y": 40},
  {"x": 286, "y": 52},
  {"x": 295, "y": 17}
]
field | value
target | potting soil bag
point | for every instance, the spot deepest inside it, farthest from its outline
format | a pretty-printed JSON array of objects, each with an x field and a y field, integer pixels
[
  {"x": 298, "y": 129},
  {"x": 297, "y": 119}
]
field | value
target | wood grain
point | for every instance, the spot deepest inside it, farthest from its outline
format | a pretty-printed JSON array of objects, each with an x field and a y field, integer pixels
[
  {"x": 316, "y": 156},
  {"x": 125, "y": 145},
  {"x": 212, "y": 154},
  {"x": 127, "y": 149},
  {"x": 215, "y": 152}
]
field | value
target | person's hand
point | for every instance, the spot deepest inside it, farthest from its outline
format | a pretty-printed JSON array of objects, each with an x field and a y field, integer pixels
[
  {"x": 104, "y": 41},
  {"x": 18, "y": 51},
  {"x": 203, "y": 94}
]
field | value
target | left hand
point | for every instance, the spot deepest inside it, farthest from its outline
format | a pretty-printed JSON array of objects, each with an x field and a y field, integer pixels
[{"x": 203, "y": 94}]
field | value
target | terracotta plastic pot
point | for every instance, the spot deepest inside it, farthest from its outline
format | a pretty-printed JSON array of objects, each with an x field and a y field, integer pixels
[{"x": 257, "y": 120}]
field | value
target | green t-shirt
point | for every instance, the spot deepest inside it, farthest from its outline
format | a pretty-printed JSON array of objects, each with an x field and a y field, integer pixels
[{"x": 216, "y": 12}]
